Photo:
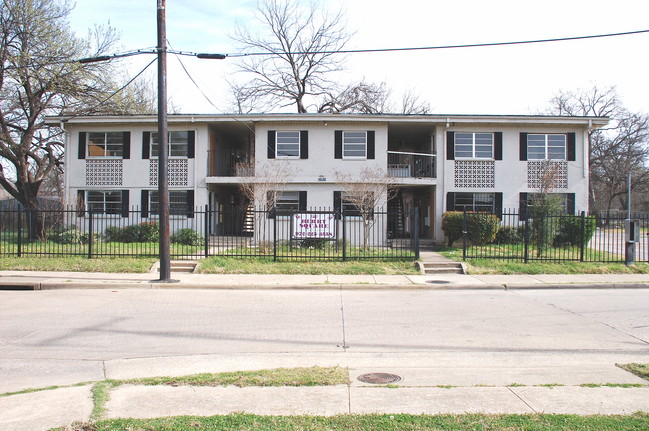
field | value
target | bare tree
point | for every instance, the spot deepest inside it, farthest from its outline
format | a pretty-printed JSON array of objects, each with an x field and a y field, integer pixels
[
  {"x": 303, "y": 42},
  {"x": 40, "y": 76},
  {"x": 616, "y": 151},
  {"x": 362, "y": 97},
  {"x": 263, "y": 187},
  {"x": 365, "y": 192}
]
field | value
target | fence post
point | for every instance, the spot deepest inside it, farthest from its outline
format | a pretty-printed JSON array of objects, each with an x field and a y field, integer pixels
[
  {"x": 582, "y": 239},
  {"x": 89, "y": 234},
  {"x": 342, "y": 219},
  {"x": 526, "y": 255},
  {"x": 207, "y": 230},
  {"x": 20, "y": 232},
  {"x": 275, "y": 236},
  {"x": 464, "y": 231},
  {"x": 416, "y": 231}
]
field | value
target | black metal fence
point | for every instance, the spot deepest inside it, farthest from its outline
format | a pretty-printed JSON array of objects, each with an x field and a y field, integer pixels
[
  {"x": 316, "y": 234},
  {"x": 593, "y": 237}
]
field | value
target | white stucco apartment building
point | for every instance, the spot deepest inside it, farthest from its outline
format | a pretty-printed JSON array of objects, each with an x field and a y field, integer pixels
[{"x": 437, "y": 162}]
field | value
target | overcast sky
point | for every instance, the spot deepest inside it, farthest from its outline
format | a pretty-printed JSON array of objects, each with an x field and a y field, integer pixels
[{"x": 495, "y": 80}]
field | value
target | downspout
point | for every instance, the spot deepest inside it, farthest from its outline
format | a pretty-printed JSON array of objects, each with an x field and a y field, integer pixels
[{"x": 66, "y": 172}]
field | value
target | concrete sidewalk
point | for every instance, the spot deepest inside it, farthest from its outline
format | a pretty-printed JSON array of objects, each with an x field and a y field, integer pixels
[
  {"x": 42, "y": 280},
  {"x": 533, "y": 387}
]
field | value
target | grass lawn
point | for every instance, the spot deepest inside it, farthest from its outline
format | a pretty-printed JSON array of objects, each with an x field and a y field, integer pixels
[
  {"x": 77, "y": 264},
  {"x": 640, "y": 370},
  {"x": 503, "y": 266},
  {"x": 383, "y": 422},
  {"x": 265, "y": 265}
]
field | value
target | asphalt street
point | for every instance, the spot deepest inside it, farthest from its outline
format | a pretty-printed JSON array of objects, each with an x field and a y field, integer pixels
[{"x": 68, "y": 336}]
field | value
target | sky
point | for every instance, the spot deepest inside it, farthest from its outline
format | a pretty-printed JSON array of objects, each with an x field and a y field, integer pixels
[{"x": 516, "y": 80}]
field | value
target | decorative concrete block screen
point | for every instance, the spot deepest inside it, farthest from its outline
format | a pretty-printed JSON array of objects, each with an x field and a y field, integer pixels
[
  {"x": 536, "y": 170},
  {"x": 178, "y": 172},
  {"x": 475, "y": 173},
  {"x": 103, "y": 172}
]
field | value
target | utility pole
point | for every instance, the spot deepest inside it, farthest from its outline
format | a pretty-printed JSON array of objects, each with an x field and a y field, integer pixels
[{"x": 163, "y": 146}]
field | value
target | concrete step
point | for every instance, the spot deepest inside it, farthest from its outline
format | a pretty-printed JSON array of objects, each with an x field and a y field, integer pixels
[
  {"x": 181, "y": 266},
  {"x": 441, "y": 268}
]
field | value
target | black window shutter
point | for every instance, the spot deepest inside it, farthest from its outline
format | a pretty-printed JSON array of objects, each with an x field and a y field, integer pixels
[
  {"x": 146, "y": 144},
  {"x": 271, "y": 144},
  {"x": 190, "y": 203},
  {"x": 498, "y": 145},
  {"x": 81, "y": 203},
  {"x": 498, "y": 204},
  {"x": 523, "y": 147},
  {"x": 450, "y": 201},
  {"x": 125, "y": 203},
  {"x": 304, "y": 144},
  {"x": 572, "y": 146},
  {"x": 126, "y": 145},
  {"x": 338, "y": 205},
  {"x": 450, "y": 145},
  {"x": 522, "y": 206},
  {"x": 302, "y": 202},
  {"x": 570, "y": 204},
  {"x": 82, "y": 145},
  {"x": 338, "y": 144},
  {"x": 144, "y": 203},
  {"x": 191, "y": 145},
  {"x": 370, "y": 144}
]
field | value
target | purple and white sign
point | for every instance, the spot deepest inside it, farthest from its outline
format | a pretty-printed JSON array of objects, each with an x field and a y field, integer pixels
[{"x": 314, "y": 225}]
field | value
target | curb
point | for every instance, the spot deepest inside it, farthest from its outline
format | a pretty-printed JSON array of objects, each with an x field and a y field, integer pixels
[{"x": 11, "y": 285}]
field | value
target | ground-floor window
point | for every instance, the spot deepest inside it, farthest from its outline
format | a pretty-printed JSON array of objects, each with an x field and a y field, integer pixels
[
  {"x": 476, "y": 202},
  {"x": 104, "y": 201}
]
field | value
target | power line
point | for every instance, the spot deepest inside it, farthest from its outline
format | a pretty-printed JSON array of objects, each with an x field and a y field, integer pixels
[
  {"x": 471, "y": 45},
  {"x": 115, "y": 92}
]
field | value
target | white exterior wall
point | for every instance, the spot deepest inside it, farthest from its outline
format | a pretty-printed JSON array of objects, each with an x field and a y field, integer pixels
[
  {"x": 511, "y": 172},
  {"x": 317, "y": 174}
]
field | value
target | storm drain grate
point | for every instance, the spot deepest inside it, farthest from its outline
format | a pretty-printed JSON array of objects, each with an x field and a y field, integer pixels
[{"x": 378, "y": 378}]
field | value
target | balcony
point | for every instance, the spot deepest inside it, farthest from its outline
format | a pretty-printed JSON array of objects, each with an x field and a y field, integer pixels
[
  {"x": 230, "y": 164},
  {"x": 411, "y": 165}
]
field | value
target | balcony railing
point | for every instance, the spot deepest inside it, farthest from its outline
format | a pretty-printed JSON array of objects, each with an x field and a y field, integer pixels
[
  {"x": 411, "y": 165},
  {"x": 230, "y": 164}
]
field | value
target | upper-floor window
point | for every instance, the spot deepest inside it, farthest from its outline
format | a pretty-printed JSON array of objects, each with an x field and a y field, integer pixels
[
  {"x": 105, "y": 144},
  {"x": 178, "y": 144},
  {"x": 354, "y": 145},
  {"x": 546, "y": 146},
  {"x": 287, "y": 144},
  {"x": 474, "y": 145},
  {"x": 104, "y": 202}
]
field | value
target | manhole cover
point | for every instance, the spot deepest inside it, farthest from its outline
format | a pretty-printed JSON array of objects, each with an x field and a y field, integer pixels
[
  {"x": 378, "y": 378},
  {"x": 437, "y": 281}
]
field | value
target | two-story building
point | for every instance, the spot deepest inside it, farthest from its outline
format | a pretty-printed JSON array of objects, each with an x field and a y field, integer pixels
[{"x": 436, "y": 162}]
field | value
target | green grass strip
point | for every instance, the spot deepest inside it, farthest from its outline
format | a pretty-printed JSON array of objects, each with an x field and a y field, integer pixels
[
  {"x": 48, "y": 388},
  {"x": 312, "y": 376},
  {"x": 640, "y": 370},
  {"x": 376, "y": 422},
  {"x": 100, "y": 396}
]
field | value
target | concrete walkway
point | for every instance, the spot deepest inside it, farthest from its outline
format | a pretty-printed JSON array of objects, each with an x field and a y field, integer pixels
[
  {"x": 42, "y": 280},
  {"x": 424, "y": 389}
]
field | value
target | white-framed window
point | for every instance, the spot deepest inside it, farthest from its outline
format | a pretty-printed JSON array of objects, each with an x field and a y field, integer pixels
[
  {"x": 476, "y": 202},
  {"x": 104, "y": 201},
  {"x": 178, "y": 203},
  {"x": 474, "y": 145},
  {"x": 546, "y": 146},
  {"x": 354, "y": 145},
  {"x": 562, "y": 199},
  {"x": 287, "y": 144},
  {"x": 105, "y": 145},
  {"x": 178, "y": 144}
]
